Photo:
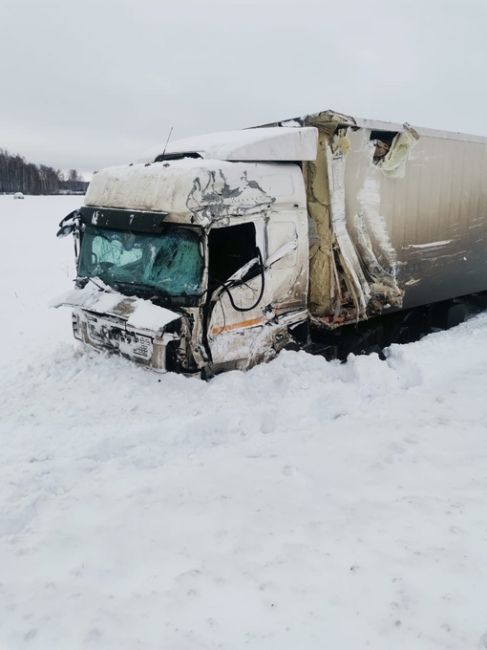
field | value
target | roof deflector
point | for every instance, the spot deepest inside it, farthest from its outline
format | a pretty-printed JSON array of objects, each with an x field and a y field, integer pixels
[{"x": 266, "y": 144}]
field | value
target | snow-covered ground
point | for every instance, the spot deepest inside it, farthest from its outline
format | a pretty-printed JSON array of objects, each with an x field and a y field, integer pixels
[{"x": 304, "y": 504}]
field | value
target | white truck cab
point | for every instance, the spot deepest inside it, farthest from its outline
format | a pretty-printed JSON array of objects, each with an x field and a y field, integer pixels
[{"x": 212, "y": 250}]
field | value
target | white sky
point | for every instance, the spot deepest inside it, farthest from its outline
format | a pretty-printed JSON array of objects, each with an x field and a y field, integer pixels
[{"x": 93, "y": 83}]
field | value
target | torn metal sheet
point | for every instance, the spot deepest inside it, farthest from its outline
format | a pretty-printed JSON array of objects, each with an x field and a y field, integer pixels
[
  {"x": 355, "y": 278},
  {"x": 393, "y": 164},
  {"x": 375, "y": 248}
]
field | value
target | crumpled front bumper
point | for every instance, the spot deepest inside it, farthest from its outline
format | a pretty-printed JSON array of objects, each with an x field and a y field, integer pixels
[
  {"x": 107, "y": 334},
  {"x": 132, "y": 327}
]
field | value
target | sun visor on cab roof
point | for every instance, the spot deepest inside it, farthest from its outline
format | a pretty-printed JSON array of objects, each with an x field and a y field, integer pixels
[{"x": 150, "y": 222}]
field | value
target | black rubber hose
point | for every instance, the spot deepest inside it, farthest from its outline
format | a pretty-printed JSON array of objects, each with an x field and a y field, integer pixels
[{"x": 261, "y": 293}]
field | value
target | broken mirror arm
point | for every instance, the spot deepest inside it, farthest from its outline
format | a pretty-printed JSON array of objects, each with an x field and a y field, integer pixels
[
  {"x": 284, "y": 250},
  {"x": 69, "y": 224}
]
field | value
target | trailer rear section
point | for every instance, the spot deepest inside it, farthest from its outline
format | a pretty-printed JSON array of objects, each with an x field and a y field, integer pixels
[{"x": 398, "y": 217}]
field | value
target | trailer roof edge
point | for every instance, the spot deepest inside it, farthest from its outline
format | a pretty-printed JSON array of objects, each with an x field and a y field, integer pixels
[{"x": 333, "y": 119}]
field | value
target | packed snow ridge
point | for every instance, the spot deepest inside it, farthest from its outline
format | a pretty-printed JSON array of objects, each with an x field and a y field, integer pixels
[{"x": 304, "y": 504}]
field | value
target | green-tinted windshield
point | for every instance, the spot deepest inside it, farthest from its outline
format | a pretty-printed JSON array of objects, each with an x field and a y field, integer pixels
[{"x": 170, "y": 262}]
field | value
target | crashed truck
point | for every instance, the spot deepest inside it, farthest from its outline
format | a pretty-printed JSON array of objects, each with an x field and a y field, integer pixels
[{"x": 226, "y": 248}]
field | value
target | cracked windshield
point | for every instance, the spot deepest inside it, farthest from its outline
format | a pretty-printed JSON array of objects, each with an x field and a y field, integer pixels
[{"x": 170, "y": 262}]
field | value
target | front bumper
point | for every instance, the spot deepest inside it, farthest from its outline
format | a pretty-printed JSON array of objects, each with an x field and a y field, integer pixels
[
  {"x": 127, "y": 325},
  {"x": 110, "y": 334}
]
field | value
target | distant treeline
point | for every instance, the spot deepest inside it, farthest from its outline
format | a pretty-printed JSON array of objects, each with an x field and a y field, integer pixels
[{"x": 18, "y": 175}]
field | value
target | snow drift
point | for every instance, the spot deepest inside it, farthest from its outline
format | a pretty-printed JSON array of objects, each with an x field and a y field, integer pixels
[{"x": 303, "y": 504}]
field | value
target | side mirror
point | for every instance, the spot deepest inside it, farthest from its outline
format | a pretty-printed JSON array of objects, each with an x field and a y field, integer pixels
[{"x": 69, "y": 224}]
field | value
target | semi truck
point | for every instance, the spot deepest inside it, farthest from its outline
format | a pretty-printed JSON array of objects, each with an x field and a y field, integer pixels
[{"x": 325, "y": 232}]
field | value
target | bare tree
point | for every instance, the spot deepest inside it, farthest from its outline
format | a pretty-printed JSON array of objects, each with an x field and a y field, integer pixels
[{"x": 18, "y": 175}]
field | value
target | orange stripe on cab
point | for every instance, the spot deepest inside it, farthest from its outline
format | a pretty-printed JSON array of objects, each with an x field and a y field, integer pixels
[{"x": 235, "y": 326}]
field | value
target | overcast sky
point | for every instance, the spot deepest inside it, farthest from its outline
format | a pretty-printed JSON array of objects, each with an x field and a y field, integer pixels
[{"x": 89, "y": 83}]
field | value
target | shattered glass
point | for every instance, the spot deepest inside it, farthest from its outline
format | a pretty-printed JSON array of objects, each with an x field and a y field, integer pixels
[{"x": 170, "y": 262}]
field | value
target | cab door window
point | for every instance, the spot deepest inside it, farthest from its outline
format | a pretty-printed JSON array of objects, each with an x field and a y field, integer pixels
[{"x": 229, "y": 249}]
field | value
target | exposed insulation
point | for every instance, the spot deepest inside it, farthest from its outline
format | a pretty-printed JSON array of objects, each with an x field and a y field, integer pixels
[
  {"x": 393, "y": 164},
  {"x": 321, "y": 289}
]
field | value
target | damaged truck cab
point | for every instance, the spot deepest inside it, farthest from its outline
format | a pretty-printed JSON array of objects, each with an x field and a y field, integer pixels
[
  {"x": 191, "y": 264},
  {"x": 219, "y": 252}
]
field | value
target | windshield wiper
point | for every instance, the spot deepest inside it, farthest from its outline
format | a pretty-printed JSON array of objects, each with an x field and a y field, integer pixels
[
  {"x": 150, "y": 292},
  {"x": 84, "y": 279},
  {"x": 96, "y": 284},
  {"x": 147, "y": 291}
]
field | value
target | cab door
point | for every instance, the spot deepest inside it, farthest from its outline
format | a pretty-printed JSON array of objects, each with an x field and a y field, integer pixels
[{"x": 238, "y": 293}]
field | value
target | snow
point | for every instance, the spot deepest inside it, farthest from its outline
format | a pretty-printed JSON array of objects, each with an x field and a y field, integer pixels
[
  {"x": 303, "y": 504},
  {"x": 96, "y": 297},
  {"x": 177, "y": 187},
  {"x": 149, "y": 316},
  {"x": 99, "y": 297}
]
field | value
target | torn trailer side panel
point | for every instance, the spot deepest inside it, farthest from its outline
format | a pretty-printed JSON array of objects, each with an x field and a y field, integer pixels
[{"x": 401, "y": 218}]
